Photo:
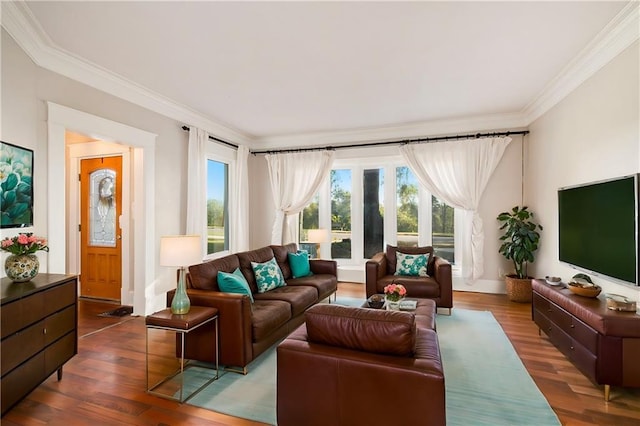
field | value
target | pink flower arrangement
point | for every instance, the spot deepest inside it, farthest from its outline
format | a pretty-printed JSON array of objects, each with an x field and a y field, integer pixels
[
  {"x": 24, "y": 243},
  {"x": 395, "y": 292}
]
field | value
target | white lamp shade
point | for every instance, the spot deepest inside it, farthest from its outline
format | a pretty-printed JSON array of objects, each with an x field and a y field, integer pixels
[
  {"x": 180, "y": 250},
  {"x": 317, "y": 236}
]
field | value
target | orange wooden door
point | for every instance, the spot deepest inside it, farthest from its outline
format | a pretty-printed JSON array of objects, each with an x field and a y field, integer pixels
[{"x": 100, "y": 234}]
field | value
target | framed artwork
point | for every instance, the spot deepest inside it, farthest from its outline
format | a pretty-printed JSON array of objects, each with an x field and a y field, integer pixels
[{"x": 16, "y": 186}]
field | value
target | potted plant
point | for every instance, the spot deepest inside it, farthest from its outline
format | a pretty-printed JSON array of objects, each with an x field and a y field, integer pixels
[{"x": 519, "y": 242}]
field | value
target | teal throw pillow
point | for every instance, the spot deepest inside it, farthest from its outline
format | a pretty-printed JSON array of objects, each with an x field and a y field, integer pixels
[
  {"x": 234, "y": 283},
  {"x": 268, "y": 275},
  {"x": 299, "y": 263},
  {"x": 414, "y": 265}
]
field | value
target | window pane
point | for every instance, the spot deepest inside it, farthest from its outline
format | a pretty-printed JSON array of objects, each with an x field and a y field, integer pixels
[
  {"x": 102, "y": 208},
  {"x": 217, "y": 202},
  {"x": 373, "y": 193},
  {"x": 442, "y": 229},
  {"x": 341, "y": 214},
  {"x": 309, "y": 219},
  {"x": 406, "y": 207}
]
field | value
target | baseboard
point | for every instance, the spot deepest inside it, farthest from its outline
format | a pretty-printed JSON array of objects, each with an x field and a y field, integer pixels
[{"x": 479, "y": 286}]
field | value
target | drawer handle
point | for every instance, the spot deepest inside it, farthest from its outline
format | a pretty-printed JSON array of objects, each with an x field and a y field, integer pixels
[
  {"x": 571, "y": 347},
  {"x": 573, "y": 326},
  {"x": 44, "y": 331}
]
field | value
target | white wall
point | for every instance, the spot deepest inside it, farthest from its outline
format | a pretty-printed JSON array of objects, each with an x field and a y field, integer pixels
[
  {"x": 592, "y": 134},
  {"x": 503, "y": 192},
  {"x": 25, "y": 90}
]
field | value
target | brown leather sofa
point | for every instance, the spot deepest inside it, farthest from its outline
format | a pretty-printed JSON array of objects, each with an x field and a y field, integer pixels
[
  {"x": 380, "y": 270},
  {"x": 358, "y": 366},
  {"x": 248, "y": 329}
]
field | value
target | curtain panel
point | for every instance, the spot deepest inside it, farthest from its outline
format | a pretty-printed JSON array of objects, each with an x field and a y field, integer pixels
[
  {"x": 295, "y": 178},
  {"x": 457, "y": 173},
  {"x": 239, "y": 203},
  {"x": 197, "y": 184}
]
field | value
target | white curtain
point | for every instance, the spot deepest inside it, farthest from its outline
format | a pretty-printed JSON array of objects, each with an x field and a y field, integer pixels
[
  {"x": 197, "y": 184},
  {"x": 295, "y": 178},
  {"x": 239, "y": 203},
  {"x": 457, "y": 173}
]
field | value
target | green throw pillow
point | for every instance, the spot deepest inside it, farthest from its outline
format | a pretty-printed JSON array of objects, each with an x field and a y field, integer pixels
[
  {"x": 414, "y": 265},
  {"x": 299, "y": 263},
  {"x": 234, "y": 283},
  {"x": 268, "y": 275}
]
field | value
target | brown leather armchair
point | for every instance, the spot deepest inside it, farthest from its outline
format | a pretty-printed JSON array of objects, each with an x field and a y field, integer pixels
[
  {"x": 381, "y": 268},
  {"x": 351, "y": 366}
]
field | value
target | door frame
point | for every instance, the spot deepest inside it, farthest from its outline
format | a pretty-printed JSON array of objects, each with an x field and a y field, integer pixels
[
  {"x": 142, "y": 163},
  {"x": 84, "y": 151}
]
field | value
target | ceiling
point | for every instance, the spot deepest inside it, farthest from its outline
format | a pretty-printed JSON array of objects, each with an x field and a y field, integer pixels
[{"x": 277, "y": 72}]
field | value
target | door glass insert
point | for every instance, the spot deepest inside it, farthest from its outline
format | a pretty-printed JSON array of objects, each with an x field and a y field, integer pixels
[{"x": 102, "y": 209}]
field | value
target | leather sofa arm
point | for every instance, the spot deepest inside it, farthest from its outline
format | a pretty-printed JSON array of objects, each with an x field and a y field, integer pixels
[
  {"x": 443, "y": 277},
  {"x": 234, "y": 322},
  {"x": 323, "y": 266},
  {"x": 375, "y": 269}
]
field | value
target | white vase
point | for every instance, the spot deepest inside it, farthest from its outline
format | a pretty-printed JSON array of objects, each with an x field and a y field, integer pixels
[{"x": 393, "y": 305}]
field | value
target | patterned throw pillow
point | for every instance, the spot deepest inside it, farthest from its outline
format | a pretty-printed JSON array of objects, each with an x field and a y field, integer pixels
[
  {"x": 268, "y": 275},
  {"x": 414, "y": 265}
]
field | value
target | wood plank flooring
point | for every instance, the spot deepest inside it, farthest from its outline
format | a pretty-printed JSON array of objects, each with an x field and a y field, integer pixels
[{"x": 105, "y": 383}]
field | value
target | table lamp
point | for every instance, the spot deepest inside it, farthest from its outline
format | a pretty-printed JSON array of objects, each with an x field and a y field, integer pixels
[
  {"x": 317, "y": 236},
  {"x": 180, "y": 251}
]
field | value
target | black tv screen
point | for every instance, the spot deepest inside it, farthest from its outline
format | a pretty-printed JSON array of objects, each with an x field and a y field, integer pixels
[{"x": 598, "y": 227}]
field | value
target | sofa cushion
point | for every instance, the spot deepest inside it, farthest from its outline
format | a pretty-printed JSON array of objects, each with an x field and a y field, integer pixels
[
  {"x": 268, "y": 275},
  {"x": 369, "y": 330},
  {"x": 414, "y": 265},
  {"x": 299, "y": 263},
  {"x": 267, "y": 317},
  {"x": 204, "y": 276},
  {"x": 281, "y": 254},
  {"x": 420, "y": 287},
  {"x": 325, "y": 284},
  {"x": 299, "y": 298},
  {"x": 234, "y": 283}
]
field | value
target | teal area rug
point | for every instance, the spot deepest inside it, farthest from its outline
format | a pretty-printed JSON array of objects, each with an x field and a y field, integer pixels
[{"x": 486, "y": 383}]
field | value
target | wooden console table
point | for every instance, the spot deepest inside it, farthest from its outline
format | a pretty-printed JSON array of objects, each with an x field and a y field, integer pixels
[
  {"x": 39, "y": 332},
  {"x": 603, "y": 344}
]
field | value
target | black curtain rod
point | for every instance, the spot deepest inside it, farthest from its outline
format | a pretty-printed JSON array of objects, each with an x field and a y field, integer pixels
[
  {"x": 232, "y": 145},
  {"x": 400, "y": 142}
]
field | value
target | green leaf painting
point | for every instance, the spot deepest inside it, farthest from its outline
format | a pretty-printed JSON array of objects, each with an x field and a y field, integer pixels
[{"x": 16, "y": 186}]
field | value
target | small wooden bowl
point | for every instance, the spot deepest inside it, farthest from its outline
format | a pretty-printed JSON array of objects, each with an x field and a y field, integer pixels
[{"x": 587, "y": 291}]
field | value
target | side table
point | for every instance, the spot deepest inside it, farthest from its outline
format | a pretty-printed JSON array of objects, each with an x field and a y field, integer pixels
[{"x": 181, "y": 324}]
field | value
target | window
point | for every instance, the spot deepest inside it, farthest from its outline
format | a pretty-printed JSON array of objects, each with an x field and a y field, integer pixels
[
  {"x": 369, "y": 205},
  {"x": 406, "y": 207},
  {"x": 217, "y": 206},
  {"x": 309, "y": 220},
  {"x": 341, "y": 214},
  {"x": 442, "y": 229}
]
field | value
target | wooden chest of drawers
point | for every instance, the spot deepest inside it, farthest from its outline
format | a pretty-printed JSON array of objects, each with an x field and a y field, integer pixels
[
  {"x": 39, "y": 332},
  {"x": 603, "y": 344}
]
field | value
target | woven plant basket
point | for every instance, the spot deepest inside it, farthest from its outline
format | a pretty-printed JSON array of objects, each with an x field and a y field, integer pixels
[{"x": 518, "y": 289}]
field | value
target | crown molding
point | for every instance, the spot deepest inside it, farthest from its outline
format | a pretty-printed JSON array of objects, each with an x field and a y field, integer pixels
[
  {"x": 509, "y": 121},
  {"x": 620, "y": 33},
  {"x": 20, "y": 23}
]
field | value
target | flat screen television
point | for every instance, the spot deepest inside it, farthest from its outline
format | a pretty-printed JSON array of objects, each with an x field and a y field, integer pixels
[{"x": 598, "y": 228}]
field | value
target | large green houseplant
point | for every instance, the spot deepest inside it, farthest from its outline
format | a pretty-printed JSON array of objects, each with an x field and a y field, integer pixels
[{"x": 520, "y": 240}]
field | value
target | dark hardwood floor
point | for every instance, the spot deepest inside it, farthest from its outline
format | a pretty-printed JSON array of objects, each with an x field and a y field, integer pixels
[{"x": 105, "y": 383}]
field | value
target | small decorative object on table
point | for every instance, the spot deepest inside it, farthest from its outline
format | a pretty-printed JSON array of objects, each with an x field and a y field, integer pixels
[
  {"x": 554, "y": 281},
  {"x": 394, "y": 293},
  {"x": 582, "y": 285},
  {"x": 617, "y": 302},
  {"x": 22, "y": 265},
  {"x": 376, "y": 301}
]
